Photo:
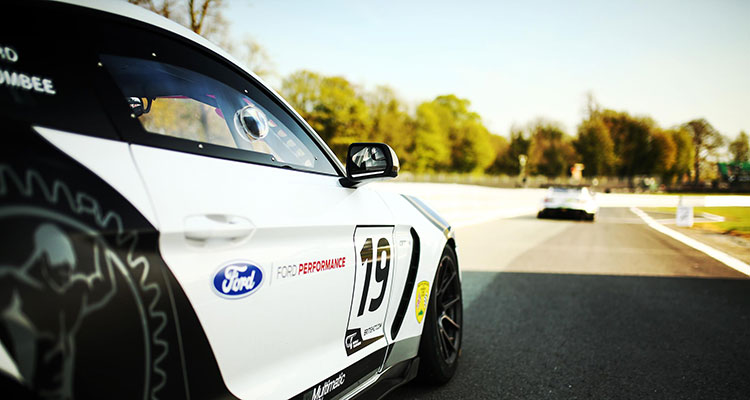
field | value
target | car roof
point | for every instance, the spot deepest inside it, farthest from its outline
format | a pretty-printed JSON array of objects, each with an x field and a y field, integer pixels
[{"x": 127, "y": 10}]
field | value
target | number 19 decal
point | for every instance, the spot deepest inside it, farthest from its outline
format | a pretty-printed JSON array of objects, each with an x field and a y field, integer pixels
[
  {"x": 371, "y": 287},
  {"x": 383, "y": 266}
]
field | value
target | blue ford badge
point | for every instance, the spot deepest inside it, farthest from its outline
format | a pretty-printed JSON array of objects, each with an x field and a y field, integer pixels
[{"x": 238, "y": 279}]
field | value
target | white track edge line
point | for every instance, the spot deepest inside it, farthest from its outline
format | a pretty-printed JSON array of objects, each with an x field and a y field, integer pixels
[{"x": 718, "y": 255}]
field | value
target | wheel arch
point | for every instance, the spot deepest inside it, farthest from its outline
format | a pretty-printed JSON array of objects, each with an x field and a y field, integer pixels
[{"x": 433, "y": 234}]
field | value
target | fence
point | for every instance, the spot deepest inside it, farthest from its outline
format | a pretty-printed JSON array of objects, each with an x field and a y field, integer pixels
[{"x": 610, "y": 184}]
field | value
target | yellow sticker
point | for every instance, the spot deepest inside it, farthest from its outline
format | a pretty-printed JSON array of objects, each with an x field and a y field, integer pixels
[{"x": 423, "y": 291}]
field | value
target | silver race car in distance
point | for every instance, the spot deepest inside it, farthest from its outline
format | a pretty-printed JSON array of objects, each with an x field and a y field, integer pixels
[
  {"x": 171, "y": 228},
  {"x": 572, "y": 202}
]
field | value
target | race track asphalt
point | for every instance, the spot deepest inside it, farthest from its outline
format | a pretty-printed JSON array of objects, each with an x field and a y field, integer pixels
[{"x": 562, "y": 309}]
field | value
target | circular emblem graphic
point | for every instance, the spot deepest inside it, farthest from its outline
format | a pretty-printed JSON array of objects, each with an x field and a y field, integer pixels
[{"x": 75, "y": 296}]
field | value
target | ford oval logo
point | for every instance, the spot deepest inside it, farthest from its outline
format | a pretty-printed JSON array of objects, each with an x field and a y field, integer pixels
[{"x": 238, "y": 279}]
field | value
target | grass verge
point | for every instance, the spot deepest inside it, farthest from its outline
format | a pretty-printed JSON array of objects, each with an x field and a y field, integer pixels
[{"x": 736, "y": 219}]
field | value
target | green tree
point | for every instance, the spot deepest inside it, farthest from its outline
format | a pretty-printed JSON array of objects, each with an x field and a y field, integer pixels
[
  {"x": 508, "y": 163},
  {"x": 684, "y": 155},
  {"x": 594, "y": 147},
  {"x": 740, "y": 148},
  {"x": 632, "y": 139},
  {"x": 331, "y": 106},
  {"x": 471, "y": 148},
  {"x": 391, "y": 123},
  {"x": 302, "y": 90},
  {"x": 500, "y": 147},
  {"x": 344, "y": 116},
  {"x": 469, "y": 139},
  {"x": 664, "y": 153},
  {"x": 551, "y": 152},
  {"x": 431, "y": 146},
  {"x": 706, "y": 142}
]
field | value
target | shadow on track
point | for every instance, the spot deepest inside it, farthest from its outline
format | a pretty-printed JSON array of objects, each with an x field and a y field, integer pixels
[{"x": 552, "y": 336}]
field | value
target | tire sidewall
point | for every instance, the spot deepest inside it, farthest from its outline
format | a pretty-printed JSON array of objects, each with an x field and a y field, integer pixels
[{"x": 433, "y": 368}]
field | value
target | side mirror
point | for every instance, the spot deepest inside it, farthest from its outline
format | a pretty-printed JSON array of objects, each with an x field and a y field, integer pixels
[{"x": 367, "y": 162}]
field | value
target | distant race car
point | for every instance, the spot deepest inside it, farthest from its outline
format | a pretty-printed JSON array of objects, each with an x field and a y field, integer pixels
[
  {"x": 574, "y": 202},
  {"x": 173, "y": 229}
]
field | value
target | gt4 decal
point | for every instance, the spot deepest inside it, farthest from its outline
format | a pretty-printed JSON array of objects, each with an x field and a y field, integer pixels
[
  {"x": 420, "y": 304},
  {"x": 372, "y": 286}
]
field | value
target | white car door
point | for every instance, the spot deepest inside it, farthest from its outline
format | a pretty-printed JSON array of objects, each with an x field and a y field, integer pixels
[
  {"x": 289, "y": 273},
  {"x": 300, "y": 239}
]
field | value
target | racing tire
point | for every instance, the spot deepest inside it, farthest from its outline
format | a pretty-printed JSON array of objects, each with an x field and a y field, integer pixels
[{"x": 440, "y": 347}]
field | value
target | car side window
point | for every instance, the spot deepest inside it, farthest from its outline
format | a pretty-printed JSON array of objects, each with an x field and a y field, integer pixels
[
  {"x": 177, "y": 102},
  {"x": 183, "y": 117}
]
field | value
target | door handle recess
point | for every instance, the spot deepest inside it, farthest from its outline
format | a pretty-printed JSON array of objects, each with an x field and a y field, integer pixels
[{"x": 217, "y": 226}]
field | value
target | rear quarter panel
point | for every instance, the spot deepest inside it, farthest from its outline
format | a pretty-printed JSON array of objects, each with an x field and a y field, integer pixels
[{"x": 432, "y": 242}]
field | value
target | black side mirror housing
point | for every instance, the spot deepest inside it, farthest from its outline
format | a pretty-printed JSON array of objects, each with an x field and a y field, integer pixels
[{"x": 369, "y": 162}]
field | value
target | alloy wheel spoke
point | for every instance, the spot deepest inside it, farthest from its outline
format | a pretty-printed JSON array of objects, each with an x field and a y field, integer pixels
[
  {"x": 450, "y": 321},
  {"x": 443, "y": 344},
  {"x": 446, "y": 284},
  {"x": 448, "y": 297},
  {"x": 450, "y": 303},
  {"x": 447, "y": 339}
]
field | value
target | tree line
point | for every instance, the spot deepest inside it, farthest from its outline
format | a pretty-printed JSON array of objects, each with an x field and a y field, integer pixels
[
  {"x": 445, "y": 135},
  {"x": 438, "y": 135}
]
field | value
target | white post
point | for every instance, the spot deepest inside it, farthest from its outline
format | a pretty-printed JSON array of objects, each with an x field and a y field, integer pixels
[{"x": 684, "y": 215}]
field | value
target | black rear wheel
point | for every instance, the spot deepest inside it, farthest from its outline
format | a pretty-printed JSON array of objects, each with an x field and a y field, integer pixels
[{"x": 440, "y": 347}]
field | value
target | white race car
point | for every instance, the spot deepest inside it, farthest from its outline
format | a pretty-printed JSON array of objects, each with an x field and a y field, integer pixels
[
  {"x": 173, "y": 229},
  {"x": 575, "y": 202}
]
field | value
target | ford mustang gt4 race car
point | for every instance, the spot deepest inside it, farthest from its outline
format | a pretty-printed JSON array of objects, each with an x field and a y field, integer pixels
[{"x": 173, "y": 229}]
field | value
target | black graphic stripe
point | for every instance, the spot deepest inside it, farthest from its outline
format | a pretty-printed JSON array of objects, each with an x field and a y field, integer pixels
[{"x": 409, "y": 287}]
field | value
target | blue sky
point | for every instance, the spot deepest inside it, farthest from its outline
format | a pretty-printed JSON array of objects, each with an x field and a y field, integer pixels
[{"x": 672, "y": 60}]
